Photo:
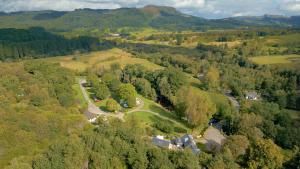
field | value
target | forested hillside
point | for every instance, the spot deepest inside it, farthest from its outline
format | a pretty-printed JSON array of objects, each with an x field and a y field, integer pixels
[
  {"x": 156, "y": 17},
  {"x": 37, "y": 43},
  {"x": 37, "y": 107}
]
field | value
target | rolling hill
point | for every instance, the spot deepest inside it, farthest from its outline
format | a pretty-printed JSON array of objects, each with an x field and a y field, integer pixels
[{"x": 158, "y": 17}]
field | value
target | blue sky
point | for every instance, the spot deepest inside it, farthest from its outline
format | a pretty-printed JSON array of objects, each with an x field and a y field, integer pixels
[{"x": 203, "y": 8}]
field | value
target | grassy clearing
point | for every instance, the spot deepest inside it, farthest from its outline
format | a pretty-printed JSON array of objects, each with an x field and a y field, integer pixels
[
  {"x": 150, "y": 105},
  {"x": 284, "y": 59},
  {"x": 149, "y": 119},
  {"x": 79, "y": 99},
  {"x": 145, "y": 116},
  {"x": 229, "y": 44},
  {"x": 100, "y": 59},
  {"x": 283, "y": 40}
]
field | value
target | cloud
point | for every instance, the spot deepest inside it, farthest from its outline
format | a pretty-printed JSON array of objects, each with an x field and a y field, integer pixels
[
  {"x": 204, "y": 8},
  {"x": 28, "y": 5},
  {"x": 292, "y": 7}
]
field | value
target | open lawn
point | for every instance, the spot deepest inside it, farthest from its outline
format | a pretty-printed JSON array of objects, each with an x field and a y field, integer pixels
[
  {"x": 79, "y": 99},
  {"x": 150, "y": 119},
  {"x": 151, "y": 113},
  {"x": 150, "y": 105},
  {"x": 284, "y": 59},
  {"x": 99, "y": 59}
]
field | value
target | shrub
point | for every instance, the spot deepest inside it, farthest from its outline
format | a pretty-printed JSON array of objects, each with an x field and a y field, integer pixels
[{"x": 112, "y": 105}]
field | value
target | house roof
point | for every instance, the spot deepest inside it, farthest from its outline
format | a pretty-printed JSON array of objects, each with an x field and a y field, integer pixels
[
  {"x": 252, "y": 94},
  {"x": 160, "y": 142},
  {"x": 188, "y": 142}
]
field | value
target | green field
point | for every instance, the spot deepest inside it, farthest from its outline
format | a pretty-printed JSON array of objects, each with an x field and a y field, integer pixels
[
  {"x": 284, "y": 59},
  {"x": 149, "y": 119}
]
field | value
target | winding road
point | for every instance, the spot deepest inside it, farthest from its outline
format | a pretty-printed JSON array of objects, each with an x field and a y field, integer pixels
[
  {"x": 95, "y": 110},
  {"x": 92, "y": 108}
]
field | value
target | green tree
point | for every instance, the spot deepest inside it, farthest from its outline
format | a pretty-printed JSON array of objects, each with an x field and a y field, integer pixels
[
  {"x": 101, "y": 91},
  {"x": 196, "y": 107},
  {"x": 127, "y": 94},
  {"x": 179, "y": 40},
  {"x": 143, "y": 86},
  {"x": 169, "y": 81},
  {"x": 112, "y": 105},
  {"x": 237, "y": 144},
  {"x": 212, "y": 78},
  {"x": 264, "y": 154},
  {"x": 92, "y": 78}
]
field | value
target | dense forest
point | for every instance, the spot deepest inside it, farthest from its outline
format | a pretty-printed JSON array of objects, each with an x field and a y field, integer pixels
[
  {"x": 36, "y": 103},
  {"x": 37, "y": 43}
]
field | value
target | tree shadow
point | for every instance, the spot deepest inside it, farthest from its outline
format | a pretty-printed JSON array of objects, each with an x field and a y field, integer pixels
[
  {"x": 174, "y": 127},
  {"x": 161, "y": 111},
  {"x": 213, "y": 146}
]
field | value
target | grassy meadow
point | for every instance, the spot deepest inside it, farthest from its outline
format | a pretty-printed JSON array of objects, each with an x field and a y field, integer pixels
[
  {"x": 100, "y": 59},
  {"x": 280, "y": 59}
]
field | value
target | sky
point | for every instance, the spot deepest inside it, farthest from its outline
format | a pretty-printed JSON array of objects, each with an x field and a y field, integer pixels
[{"x": 203, "y": 8}]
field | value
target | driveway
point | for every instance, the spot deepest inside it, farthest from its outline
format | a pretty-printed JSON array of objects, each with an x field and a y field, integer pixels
[
  {"x": 234, "y": 101},
  {"x": 92, "y": 108}
]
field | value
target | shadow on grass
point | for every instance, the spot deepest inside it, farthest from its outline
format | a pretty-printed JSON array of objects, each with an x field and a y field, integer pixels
[
  {"x": 103, "y": 108},
  {"x": 167, "y": 114},
  {"x": 161, "y": 111},
  {"x": 172, "y": 127}
]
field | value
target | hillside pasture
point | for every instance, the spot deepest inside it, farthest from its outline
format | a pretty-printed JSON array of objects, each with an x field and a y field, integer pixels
[
  {"x": 101, "y": 59},
  {"x": 280, "y": 59}
]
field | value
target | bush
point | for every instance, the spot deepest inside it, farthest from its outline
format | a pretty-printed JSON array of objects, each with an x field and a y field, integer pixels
[{"x": 112, "y": 105}]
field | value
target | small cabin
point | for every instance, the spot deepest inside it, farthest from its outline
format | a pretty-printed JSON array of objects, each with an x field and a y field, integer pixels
[{"x": 252, "y": 95}]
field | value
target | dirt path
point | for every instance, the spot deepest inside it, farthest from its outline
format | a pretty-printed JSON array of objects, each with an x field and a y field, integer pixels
[
  {"x": 92, "y": 108},
  {"x": 234, "y": 101}
]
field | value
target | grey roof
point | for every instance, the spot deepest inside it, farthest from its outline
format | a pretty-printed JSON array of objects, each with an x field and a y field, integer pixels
[
  {"x": 252, "y": 94},
  {"x": 177, "y": 142},
  {"x": 188, "y": 142},
  {"x": 161, "y": 143}
]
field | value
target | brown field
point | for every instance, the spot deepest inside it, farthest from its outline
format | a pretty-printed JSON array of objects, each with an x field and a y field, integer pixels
[{"x": 99, "y": 59}]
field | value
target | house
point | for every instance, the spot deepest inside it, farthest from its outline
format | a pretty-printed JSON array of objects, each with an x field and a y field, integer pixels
[
  {"x": 138, "y": 101},
  {"x": 188, "y": 142},
  {"x": 161, "y": 142},
  {"x": 114, "y": 35},
  {"x": 125, "y": 104},
  {"x": 252, "y": 95},
  {"x": 200, "y": 76},
  {"x": 177, "y": 142}
]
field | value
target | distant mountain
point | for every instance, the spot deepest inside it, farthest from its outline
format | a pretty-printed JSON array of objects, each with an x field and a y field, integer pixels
[
  {"x": 266, "y": 20},
  {"x": 159, "y": 17}
]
